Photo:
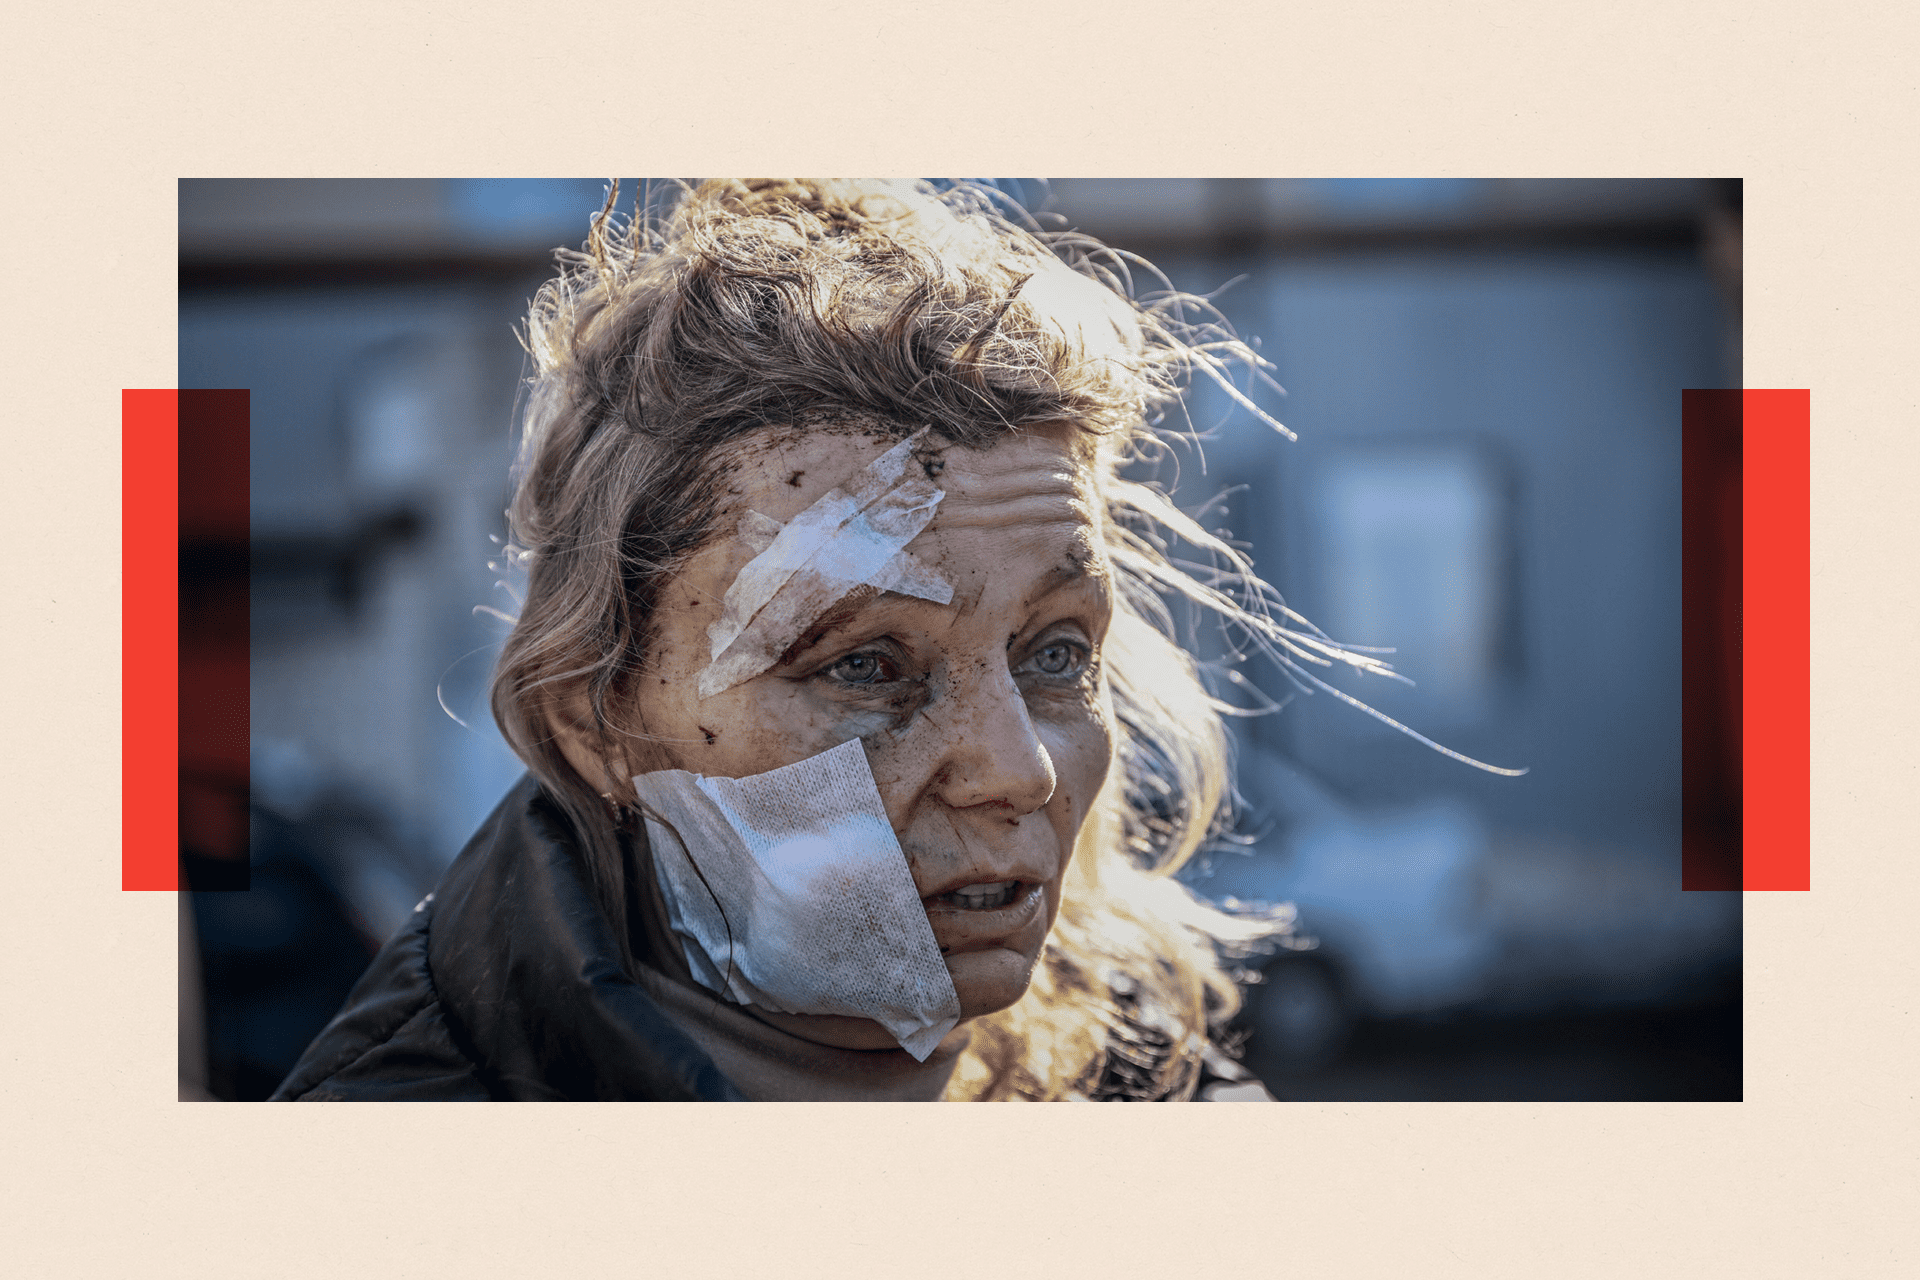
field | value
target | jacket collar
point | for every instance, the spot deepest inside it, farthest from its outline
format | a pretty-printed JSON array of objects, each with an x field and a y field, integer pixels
[{"x": 528, "y": 970}]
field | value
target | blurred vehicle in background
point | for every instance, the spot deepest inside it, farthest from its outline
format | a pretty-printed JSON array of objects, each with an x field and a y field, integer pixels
[{"x": 1420, "y": 915}]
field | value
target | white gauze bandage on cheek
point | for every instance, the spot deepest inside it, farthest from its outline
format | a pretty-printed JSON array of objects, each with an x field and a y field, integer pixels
[
  {"x": 789, "y": 891},
  {"x": 854, "y": 536}
]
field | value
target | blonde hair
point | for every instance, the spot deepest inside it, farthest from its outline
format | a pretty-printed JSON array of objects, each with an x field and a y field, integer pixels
[{"x": 760, "y": 304}]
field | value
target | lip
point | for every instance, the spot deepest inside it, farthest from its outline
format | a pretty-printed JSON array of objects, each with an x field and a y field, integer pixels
[
  {"x": 981, "y": 873},
  {"x": 962, "y": 929}
]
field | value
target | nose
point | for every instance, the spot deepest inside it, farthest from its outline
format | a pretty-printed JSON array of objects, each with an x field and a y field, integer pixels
[{"x": 993, "y": 756}]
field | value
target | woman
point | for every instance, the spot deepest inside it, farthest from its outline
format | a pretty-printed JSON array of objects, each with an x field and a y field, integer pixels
[{"x": 858, "y": 754}]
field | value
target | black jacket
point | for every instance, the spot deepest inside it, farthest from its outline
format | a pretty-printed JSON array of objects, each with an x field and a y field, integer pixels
[{"x": 506, "y": 985}]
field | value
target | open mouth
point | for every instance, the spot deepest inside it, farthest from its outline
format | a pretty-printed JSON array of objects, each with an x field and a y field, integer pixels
[{"x": 982, "y": 897}]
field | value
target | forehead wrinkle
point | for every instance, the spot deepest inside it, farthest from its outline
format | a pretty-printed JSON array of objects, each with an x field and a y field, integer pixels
[
  {"x": 1034, "y": 510},
  {"x": 1020, "y": 471},
  {"x": 1027, "y": 483}
]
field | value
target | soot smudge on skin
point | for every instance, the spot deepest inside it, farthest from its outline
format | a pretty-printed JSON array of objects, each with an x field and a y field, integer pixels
[
  {"x": 907, "y": 703},
  {"x": 886, "y": 716},
  {"x": 931, "y": 459}
]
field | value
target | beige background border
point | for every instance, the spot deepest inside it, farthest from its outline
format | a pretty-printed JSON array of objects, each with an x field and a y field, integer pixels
[{"x": 106, "y": 1175}]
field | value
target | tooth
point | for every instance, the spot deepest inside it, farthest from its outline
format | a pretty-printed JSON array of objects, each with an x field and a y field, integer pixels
[{"x": 976, "y": 896}]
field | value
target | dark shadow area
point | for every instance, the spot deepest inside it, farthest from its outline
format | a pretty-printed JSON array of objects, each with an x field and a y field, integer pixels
[
  {"x": 1711, "y": 677},
  {"x": 1678, "y": 1053},
  {"x": 279, "y": 958}
]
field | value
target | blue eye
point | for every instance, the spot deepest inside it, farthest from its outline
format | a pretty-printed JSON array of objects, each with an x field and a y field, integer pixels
[
  {"x": 1060, "y": 658},
  {"x": 860, "y": 668}
]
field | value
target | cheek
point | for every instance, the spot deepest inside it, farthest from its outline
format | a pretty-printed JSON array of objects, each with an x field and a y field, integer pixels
[
  {"x": 1082, "y": 746},
  {"x": 752, "y": 728},
  {"x": 782, "y": 722}
]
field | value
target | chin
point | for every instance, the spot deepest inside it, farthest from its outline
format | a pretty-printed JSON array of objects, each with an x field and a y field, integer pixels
[{"x": 990, "y": 980}]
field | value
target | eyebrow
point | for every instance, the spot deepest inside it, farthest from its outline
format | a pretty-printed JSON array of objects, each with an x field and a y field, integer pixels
[
  {"x": 1079, "y": 566},
  {"x": 844, "y": 610},
  {"x": 1077, "y": 570}
]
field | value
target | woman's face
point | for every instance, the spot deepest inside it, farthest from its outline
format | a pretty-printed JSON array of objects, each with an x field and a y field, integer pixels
[{"x": 986, "y": 721}]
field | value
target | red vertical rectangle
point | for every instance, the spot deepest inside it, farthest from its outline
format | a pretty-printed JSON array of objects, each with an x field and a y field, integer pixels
[
  {"x": 214, "y": 573},
  {"x": 1710, "y": 660},
  {"x": 1775, "y": 632},
  {"x": 149, "y": 639}
]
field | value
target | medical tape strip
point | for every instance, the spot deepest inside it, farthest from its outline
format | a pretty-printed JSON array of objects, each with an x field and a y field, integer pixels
[
  {"x": 854, "y": 536},
  {"x": 799, "y": 898},
  {"x": 902, "y": 574}
]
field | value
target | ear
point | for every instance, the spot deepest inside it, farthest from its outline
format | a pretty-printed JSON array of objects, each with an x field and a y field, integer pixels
[{"x": 595, "y": 753}]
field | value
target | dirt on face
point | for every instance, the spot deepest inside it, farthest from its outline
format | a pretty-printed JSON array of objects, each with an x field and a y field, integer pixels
[{"x": 986, "y": 720}]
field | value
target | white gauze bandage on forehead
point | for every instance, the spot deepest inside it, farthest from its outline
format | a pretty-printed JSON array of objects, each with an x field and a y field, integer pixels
[
  {"x": 789, "y": 891},
  {"x": 854, "y": 536}
]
